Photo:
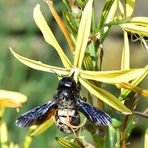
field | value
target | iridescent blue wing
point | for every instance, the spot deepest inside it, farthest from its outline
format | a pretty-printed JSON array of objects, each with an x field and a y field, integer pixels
[
  {"x": 38, "y": 115},
  {"x": 94, "y": 114}
]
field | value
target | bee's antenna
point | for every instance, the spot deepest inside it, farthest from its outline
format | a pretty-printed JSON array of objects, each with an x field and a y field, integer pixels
[{"x": 72, "y": 74}]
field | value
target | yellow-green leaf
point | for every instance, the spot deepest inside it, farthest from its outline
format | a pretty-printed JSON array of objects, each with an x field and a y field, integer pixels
[
  {"x": 111, "y": 14},
  {"x": 134, "y": 82},
  {"x": 39, "y": 65},
  {"x": 146, "y": 139},
  {"x": 125, "y": 61},
  {"x": 3, "y": 133},
  {"x": 49, "y": 36},
  {"x": 129, "y": 7},
  {"x": 133, "y": 88},
  {"x": 105, "y": 12},
  {"x": 121, "y": 8},
  {"x": 116, "y": 76},
  {"x": 11, "y": 99},
  {"x": 83, "y": 34},
  {"x": 133, "y": 28},
  {"x": 105, "y": 96},
  {"x": 139, "y": 21},
  {"x": 67, "y": 143},
  {"x": 42, "y": 127}
]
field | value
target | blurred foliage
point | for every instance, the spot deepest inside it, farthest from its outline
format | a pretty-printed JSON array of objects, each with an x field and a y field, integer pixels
[{"x": 18, "y": 30}]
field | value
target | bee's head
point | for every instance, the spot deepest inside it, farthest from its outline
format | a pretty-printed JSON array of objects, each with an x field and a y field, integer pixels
[{"x": 67, "y": 82}]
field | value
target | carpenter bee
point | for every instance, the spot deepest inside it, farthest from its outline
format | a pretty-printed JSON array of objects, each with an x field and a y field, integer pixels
[{"x": 66, "y": 103}]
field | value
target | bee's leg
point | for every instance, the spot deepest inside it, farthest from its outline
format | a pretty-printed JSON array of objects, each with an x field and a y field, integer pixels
[
  {"x": 84, "y": 99},
  {"x": 73, "y": 126}
]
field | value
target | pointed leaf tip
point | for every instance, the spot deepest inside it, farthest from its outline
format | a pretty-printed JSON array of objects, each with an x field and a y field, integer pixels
[
  {"x": 49, "y": 36},
  {"x": 39, "y": 65}
]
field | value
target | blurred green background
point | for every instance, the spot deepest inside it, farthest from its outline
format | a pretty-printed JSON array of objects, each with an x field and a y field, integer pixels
[{"x": 18, "y": 30}]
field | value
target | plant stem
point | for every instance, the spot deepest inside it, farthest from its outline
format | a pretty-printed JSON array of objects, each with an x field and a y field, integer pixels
[{"x": 118, "y": 138}]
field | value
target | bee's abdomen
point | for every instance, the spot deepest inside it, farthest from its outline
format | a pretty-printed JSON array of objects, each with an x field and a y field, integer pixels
[{"x": 61, "y": 119}]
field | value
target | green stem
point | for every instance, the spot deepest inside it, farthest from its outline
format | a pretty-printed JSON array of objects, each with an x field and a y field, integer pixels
[
  {"x": 111, "y": 136},
  {"x": 27, "y": 141},
  {"x": 97, "y": 142},
  {"x": 118, "y": 138}
]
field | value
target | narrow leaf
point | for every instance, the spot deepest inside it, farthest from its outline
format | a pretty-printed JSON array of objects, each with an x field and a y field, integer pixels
[
  {"x": 139, "y": 21},
  {"x": 48, "y": 35},
  {"x": 3, "y": 133},
  {"x": 105, "y": 96},
  {"x": 61, "y": 25},
  {"x": 112, "y": 76},
  {"x": 133, "y": 88},
  {"x": 66, "y": 143},
  {"x": 125, "y": 61},
  {"x": 131, "y": 125},
  {"x": 135, "y": 82},
  {"x": 133, "y": 28},
  {"x": 83, "y": 34},
  {"x": 129, "y": 6},
  {"x": 109, "y": 19},
  {"x": 11, "y": 99},
  {"x": 105, "y": 12},
  {"x": 42, "y": 127},
  {"x": 146, "y": 139},
  {"x": 121, "y": 8},
  {"x": 111, "y": 136},
  {"x": 39, "y": 65}
]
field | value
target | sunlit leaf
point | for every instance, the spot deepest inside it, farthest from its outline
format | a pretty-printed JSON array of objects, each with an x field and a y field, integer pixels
[
  {"x": 49, "y": 36},
  {"x": 66, "y": 143},
  {"x": 83, "y": 34},
  {"x": 133, "y": 88},
  {"x": 42, "y": 127},
  {"x": 125, "y": 61},
  {"x": 39, "y": 65},
  {"x": 12, "y": 145},
  {"x": 112, "y": 76},
  {"x": 139, "y": 21},
  {"x": 3, "y": 133},
  {"x": 135, "y": 82},
  {"x": 11, "y": 99},
  {"x": 146, "y": 139},
  {"x": 129, "y": 7},
  {"x": 121, "y": 8},
  {"x": 27, "y": 141},
  {"x": 131, "y": 27},
  {"x": 105, "y": 96}
]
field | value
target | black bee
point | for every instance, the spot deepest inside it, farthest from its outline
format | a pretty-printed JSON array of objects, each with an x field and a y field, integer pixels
[{"x": 66, "y": 103}]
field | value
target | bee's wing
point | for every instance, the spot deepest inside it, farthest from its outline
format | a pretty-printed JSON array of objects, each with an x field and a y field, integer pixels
[
  {"x": 37, "y": 115},
  {"x": 93, "y": 114}
]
